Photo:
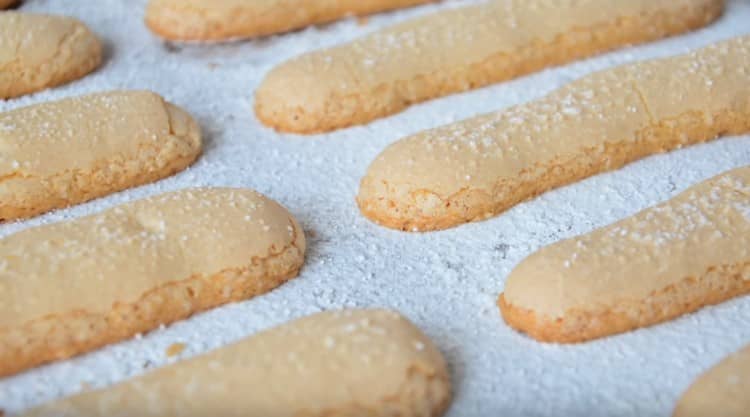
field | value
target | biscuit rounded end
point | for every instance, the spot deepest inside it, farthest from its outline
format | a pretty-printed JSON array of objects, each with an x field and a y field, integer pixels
[
  {"x": 293, "y": 99},
  {"x": 169, "y": 20},
  {"x": 183, "y": 126},
  {"x": 64, "y": 49},
  {"x": 413, "y": 186}
]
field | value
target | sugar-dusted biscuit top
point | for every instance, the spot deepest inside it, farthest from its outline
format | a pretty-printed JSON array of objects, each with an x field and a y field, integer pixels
[
  {"x": 707, "y": 225},
  {"x": 456, "y": 50},
  {"x": 478, "y": 167},
  {"x": 69, "y": 151},
  {"x": 69, "y": 287},
  {"x": 342, "y": 363},
  {"x": 668, "y": 260},
  {"x": 723, "y": 390},
  {"x": 122, "y": 253},
  {"x": 41, "y": 51},
  {"x": 207, "y": 20}
]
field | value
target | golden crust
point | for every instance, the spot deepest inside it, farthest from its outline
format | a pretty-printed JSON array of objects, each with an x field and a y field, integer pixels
[
  {"x": 723, "y": 387},
  {"x": 35, "y": 193},
  {"x": 717, "y": 284},
  {"x": 339, "y": 111},
  {"x": 182, "y": 22},
  {"x": 469, "y": 205},
  {"x": 61, "y": 336},
  {"x": 73, "y": 51},
  {"x": 86, "y": 186},
  {"x": 374, "y": 363}
]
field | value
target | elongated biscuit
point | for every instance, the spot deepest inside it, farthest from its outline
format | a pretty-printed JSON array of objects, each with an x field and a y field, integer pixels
[
  {"x": 458, "y": 50},
  {"x": 70, "y": 151},
  {"x": 344, "y": 363},
  {"x": 41, "y": 51},
  {"x": 479, "y": 167},
  {"x": 724, "y": 390},
  {"x": 203, "y": 20},
  {"x": 666, "y": 261},
  {"x": 71, "y": 287}
]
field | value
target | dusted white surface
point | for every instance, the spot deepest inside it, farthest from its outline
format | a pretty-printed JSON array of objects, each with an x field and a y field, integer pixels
[{"x": 446, "y": 282}]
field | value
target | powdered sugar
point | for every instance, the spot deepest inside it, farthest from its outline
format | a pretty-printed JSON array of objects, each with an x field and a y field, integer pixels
[{"x": 446, "y": 282}]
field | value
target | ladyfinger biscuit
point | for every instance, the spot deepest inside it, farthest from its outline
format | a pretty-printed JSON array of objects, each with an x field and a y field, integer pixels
[
  {"x": 723, "y": 390},
  {"x": 666, "y": 261},
  {"x": 204, "y": 20},
  {"x": 477, "y": 168},
  {"x": 343, "y": 363},
  {"x": 458, "y": 50},
  {"x": 70, "y": 151},
  {"x": 41, "y": 51},
  {"x": 68, "y": 288}
]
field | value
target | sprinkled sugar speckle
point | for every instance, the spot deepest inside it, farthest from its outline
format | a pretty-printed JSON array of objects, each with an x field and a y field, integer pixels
[{"x": 445, "y": 282}]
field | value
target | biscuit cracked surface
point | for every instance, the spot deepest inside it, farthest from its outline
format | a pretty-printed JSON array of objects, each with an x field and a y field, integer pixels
[
  {"x": 71, "y": 287},
  {"x": 70, "y": 151},
  {"x": 42, "y": 51},
  {"x": 345, "y": 363},
  {"x": 666, "y": 261},
  {"x": 480, "y": 167},
  {"x": 458, "y": 50}
]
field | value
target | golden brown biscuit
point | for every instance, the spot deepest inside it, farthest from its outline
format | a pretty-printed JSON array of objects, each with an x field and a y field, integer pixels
[
  {"x": 69, "y": 151},
  {"x": 477, "y": 168},
  {"x": 724, "y": 390},
  {"x": 666, "y": 261},
  {"x": 71, "y": 287},
  {"x": 344, "y": 363},
  {"x": 457, "y": 50},
  {"x": 41, "y": 51},
  {"x": 210, "y": 20}
]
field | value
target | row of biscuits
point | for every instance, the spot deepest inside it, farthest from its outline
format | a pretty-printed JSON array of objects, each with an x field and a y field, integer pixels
[
  {"x": 641, "y": 122},
  {"x": 385, "y": 72},
  {"x": 326, "y": 346},
  {"x": 401, "y": 188},
  {"x": 72, "y": 287},
  {"x": 168, "y": 237},
  {"x": 740, "y": 103}
]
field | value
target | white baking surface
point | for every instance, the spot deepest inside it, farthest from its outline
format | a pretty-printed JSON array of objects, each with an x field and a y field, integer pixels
[{"x": 446, "y": 282}]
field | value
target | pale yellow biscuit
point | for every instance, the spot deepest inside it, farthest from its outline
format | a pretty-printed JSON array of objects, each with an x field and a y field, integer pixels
[
  {"x": 203, "y": 20},
  {"x": 666, "y": 261},
  {"x": 477, "y": 168},
  {"x": 71, "y": 287},
  {"x": 41, "y": 51},
  {"x": 343, "y": 363},
  {"x": 722, "y": 391},
  {"x": 70, "y": 151},
  {"x": 457, "y": 50}
]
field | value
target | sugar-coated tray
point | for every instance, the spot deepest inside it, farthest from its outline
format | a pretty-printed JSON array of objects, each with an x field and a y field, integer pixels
[{"x": 446, "y": 282}]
